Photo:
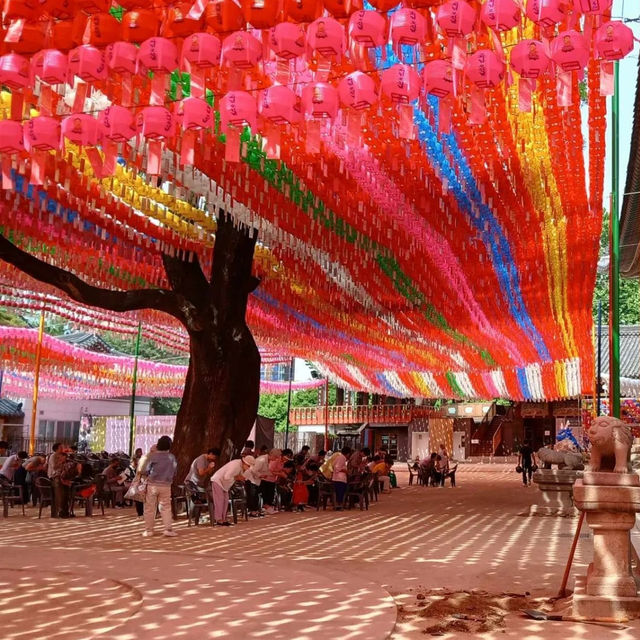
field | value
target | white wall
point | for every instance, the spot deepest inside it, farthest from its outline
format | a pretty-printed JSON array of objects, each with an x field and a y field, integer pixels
[{"x": 52, "y": 409}]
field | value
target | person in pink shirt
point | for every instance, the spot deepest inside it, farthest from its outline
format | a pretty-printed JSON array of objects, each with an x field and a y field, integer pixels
[
  {"x": 339, "y": 476},
  {"x": 268, "y": 484}
]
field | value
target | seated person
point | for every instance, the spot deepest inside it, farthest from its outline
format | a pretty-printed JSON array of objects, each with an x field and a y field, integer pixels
[
  {"x": 381, "y": 468},
  {"x": 114, "y": 482},
  {"x": 439, "y": 472},
  {"x": 428, "y": 468},
  {"x": 285, "y": 484}
]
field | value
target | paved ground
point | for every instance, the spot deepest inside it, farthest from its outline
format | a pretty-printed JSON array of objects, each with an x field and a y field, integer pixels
[{"x": 294, "y": 576}]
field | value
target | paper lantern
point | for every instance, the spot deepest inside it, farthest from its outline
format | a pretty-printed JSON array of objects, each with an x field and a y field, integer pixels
[
  {"x": 287, "y": 40},
  {"x": 118, "y": 124},
  {"x": 500, "y": 15},
  {"x": 88, "y": 63},
  {"x": 34, "y": 36},
  {"x": 177, "y": 24},
  {"x": 456, "y": 18},
  {"x": 358, "y": 91},
  {"x": 81, "y": 129},
  {"x": 302, "y": 10},
  {"x": 320, "y": 100},
  {"x": 50, "y": 65},
  {"x": 19, "y": 10},
  {"x": 529, "y": 58},
  {"x": 407, "y": 27},
  {"x": 400, "y": 83},
  {"x": 594, "y": 7},
  {"x": 262, "y": 14},
  {"x": 41, "y": 133},
  {"x": 14, "y": 71},
  {"x": 280, "y": 105},
  {"x": 342, "y": 8},
  {"x": 62, "y": 35},
  {"x": 224, "y": 16},
  {"x": 202, "y": 50},
  {"x": 485, "y": 69},
  {"x": 195, "y": 114},
  {"x": 546, "y": 13},
  {"x": 569, "y": 50},
  {"x": 241, "y": 50},
  {"x": 238, "y": 109},
  {"x": 156, "y": 123},
  {"x": 58, "y": 9},
  {"x": 438, "y": 78},
  {"x": 384, "y": 5},
  {"x": 11, "y": 137},
  {"x": 421, "y": 4},
  {"x": 613, "y": 40},
  {"x": 368, "y": 28},
  {"x": 158, "y": 55},
  {"x": 122, "y": 57},
  {"x": 92, "y": 6},
  {"x": 102, "y": 29},
  {"x": 140, "y": 25},
  {"x": 326, "y": 36}
]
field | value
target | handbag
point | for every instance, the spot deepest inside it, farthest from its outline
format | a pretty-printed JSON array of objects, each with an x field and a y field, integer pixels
[
  {"x": 518, "y": 469},
  {"x": 137, "y": 491}
]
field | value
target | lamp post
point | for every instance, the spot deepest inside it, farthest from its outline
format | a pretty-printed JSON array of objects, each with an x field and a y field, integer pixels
[
  {"x": 132, "y": 409},
  {"x": 36, "y": 384}
]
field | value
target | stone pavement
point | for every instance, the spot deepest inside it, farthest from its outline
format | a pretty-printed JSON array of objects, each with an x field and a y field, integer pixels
[{"x": 295, "y": 576}]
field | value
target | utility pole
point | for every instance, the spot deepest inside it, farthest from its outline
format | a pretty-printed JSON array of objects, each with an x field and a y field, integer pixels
[{"x": 133, "y": 391}]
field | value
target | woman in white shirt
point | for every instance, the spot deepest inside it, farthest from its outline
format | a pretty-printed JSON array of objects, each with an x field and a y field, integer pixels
[
  {"x": 339, "y": 476},
  {"x": 222, "y": 480}
]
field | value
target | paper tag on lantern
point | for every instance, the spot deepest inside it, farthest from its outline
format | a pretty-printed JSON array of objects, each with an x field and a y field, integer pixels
[
  {"x": 606, "y": 78},
  {"x": 127, "y": 89},
  {"x": 110, "y": 156},
  {"x": 158, "y": 84},
  {"x": 313, "y": 137},
  {"x": 444, "y": 116},
  {"x": 458, "y": 47},
  {"x": 197, "y": 82},
  {"x": 524, "y": 94},
  {"x": 154, "y": 155},
  {"x": 478, "y": 108},
  {"x": 80, "y": 96},
  {"x": 354, "y": 129},
  {"x": 272, "y": 143},
  {"x": 563, "y": 89},
  {"x": 96, "y": 161},
  {"x": 17, "y": 105},
  {"x": 38, "y": 162},
  {"x": 405, "y": 122},
  {"x": 7, "y": 182},
  {"x": 232, "y": 146},
  {"x": 187, "y": 148},
  {"x": 197, "y": 9},
  {"x": 14, "y": 32}
]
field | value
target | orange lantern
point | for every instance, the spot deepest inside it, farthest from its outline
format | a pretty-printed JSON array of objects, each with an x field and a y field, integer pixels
[
  {"x": 262, "y": 14},
  {"x": 140, "y": 25},
  {"x": 103, "y": 29},
  {"x": 302, "y": 10},
  {"x": 222, "y": 16},
  {"x": 177, "y": 24},
  {"x": 62, "y": 35},
  {"x": 343, "y": 8}
]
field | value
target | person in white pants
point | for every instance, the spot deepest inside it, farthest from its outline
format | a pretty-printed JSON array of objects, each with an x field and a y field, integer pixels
[
  {"x": 222, "y": 480},
  {"x": 160, "y": 470}
]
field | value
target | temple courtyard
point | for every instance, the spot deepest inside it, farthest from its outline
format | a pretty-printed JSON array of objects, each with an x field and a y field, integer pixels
[{"x": 390, "y": 572}]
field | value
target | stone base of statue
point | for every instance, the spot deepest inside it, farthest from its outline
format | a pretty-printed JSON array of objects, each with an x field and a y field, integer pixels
[
  {"x": 556, "y": 492},
  {"x": 610, "y": 502}
]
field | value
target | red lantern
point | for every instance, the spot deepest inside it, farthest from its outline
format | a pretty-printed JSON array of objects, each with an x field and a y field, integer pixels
[
  {"x": 287, "y": 40},
  {"x": 320, "y": 100},
  {"x": 88, "y": 63},
  {"x": 177, "y": 24},
  {"x": 456, "y": 18},
  {"x": 342, "y": 8},
  {"x": 500, "y": 15},
  {"x": 485, "y": 69},
  {"x": 594, "y": 7},
  {"x": 400, "y": 83},
  {"x": 407, "y": 27},
  {"x": 569, "y": 51},
  {"x": 140, "y": 25},
  {"x": 280, "y": 105},
  {"x": 14, "y": 71},
  {"x": 613, "y": 40},
  {"x": 529, "y": 58},
  {"x": 438, "y": 78},
  {"x": 195, "y": 114},
  {"x": 237, "y": 109},
  {"x": 262, "y": 14},
  {"x": 82, "y": 129},
  {"x": 223, "y": 16},
  {"x": 241, "y": 50},
  {"x": 384, "y": 5},
  {"x": 302, "y": 10},
  {"x": 368, "y": 28},
  {"x": 50, "y": 65},
  {"x": 156, "y": 123},
  {"x": 546, "y": 13},
  {"x": 202, "y": 50},
  {"x": 11, "y": 137},
  {"x": 122, "y": 56},
  {"x": 326, "y": 36},
  {"x": 102, "y": 29},
  {"x": 358, "y": 91}
]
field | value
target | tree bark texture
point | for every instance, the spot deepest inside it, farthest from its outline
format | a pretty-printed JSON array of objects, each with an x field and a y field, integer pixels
[{"x": 222, "y": 388}]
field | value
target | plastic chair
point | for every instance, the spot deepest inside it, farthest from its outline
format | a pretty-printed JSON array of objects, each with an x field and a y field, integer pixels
[
  {"x": 102, "y": 496},
  {"x": 326, "y": 492},
  {"x": 85, "y": 501},
  {"x": 356, "y": 494},
  {"x": 45, "y": 493},
  {"x": 179, "y": 497},
  {"x": 198, "y": 500},
  {"x": 11, "y": 493},
  {"x": 238, "y": 501}
]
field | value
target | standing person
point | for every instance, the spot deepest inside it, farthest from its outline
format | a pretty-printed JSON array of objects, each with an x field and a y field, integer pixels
[
  {"x": 223, "y": 480},
  {"x": 339, "y": 476},
  {"x": 526, "y": 460},
  {"x": 12, "y": 464},
  {"x": 138, "y": 481},
  {"x": 160, "y": 471},
  {"x": 35, "y": 466},
  {"x": 254, "y": 478},
  {"x": 60, "y": 493}
]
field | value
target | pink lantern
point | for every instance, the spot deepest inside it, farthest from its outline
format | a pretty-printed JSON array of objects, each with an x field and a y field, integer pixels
[
  {"x": 368, "y": 28},
  {"x": 117, "y": 123},
  {"x": 320, "y": 100},
  {"x": 500, "y": 15},
  {"x": 11, "y": 137},
  {"x": 287, "y": 40},
  {"x": 280, "y": 105},
  {"x": 326, "y": 36},
  {"x": 241, "y": 50},
  {"x": 14, "y": 71},
  {"x": 407, "y": 27},
  {"x": 595, "y": 7},
  {"x": 122, "y": 56},
  {"x": 158, "y": 55},
  {"x": 195, "y": 114},
  {"x": 41, "y": 133},
  {"x": 400, "y": 83},
  {"x": 546, "y": 13},
  {"x": 82, "y": 129},
  {"x": 485, "y": 69},
  {"x": 237, "y": 109},
  {"x": 202, "y": 50},
  {"x": 358, "y": 91},
  {"x": 569, "y": 51},
  {"x": 156, "y": 123},
  {"x": 438, "y": 78},
  {"x": 88, "y": 63},
  {"x": 613, "y": 40},
  {"x": 456, "y": 18},
  {"x": 529, "y": 58},
  {"x": 50, "y": 65}
]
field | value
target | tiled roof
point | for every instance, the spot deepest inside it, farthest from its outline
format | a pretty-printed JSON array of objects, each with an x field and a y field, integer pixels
[
  {"x": 10, "y": 409},
  {"x": 629, "y": 220},
  {"x": 88, "y": 341},
  {"x": 629, "y": 351}
]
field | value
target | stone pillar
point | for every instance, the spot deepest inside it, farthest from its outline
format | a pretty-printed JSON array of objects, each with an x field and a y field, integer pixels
[
  {"x": 556, "y": 491},
  {"x": 610, "y": 501}
]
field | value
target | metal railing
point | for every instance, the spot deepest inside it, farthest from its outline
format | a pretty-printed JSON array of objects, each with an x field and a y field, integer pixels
[{"x": 359, "y": 414}]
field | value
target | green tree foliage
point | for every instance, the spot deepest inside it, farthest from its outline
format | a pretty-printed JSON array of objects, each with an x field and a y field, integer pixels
[
  {"x": 9, "y": 318},
  {"x": 629, "y": 289},
  {"x": 274, "y": 405}
]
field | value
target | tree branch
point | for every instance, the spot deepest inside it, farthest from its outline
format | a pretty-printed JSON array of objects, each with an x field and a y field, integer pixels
[{"x": 77, "y": 289}]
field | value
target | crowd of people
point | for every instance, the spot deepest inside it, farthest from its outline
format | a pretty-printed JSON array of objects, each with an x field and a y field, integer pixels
[
  {"x": 434, "y": 469},
  {"x": 269, "y": 480}
]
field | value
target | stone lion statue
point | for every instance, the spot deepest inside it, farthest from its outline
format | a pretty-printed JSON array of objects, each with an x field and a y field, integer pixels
[
  {"x": 611, "y": 441},
  {"x": 564, "y": 459}
]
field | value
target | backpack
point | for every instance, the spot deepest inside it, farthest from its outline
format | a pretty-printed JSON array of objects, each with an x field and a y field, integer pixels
[{"x": 327, "y": 468}]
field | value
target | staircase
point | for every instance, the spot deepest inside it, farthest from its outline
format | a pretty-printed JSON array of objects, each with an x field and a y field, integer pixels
[{"x": 486, "y": 440}]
